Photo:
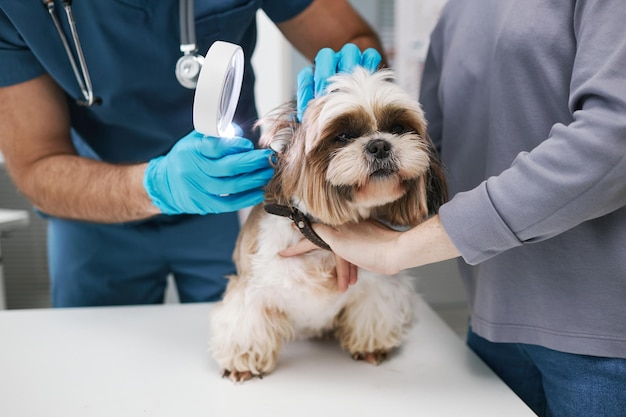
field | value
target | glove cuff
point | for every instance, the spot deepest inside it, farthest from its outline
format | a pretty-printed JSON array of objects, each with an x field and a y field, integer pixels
[{"x": 153, "y": 181}]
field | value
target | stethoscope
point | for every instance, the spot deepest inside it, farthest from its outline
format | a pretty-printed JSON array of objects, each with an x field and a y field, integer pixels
[
  {"x": 187, "y": 69},
  {"x": 189, "y": 65}
]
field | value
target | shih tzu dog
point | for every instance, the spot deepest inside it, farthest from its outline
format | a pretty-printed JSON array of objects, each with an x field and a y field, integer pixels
[{"x": 360, "y": 152}]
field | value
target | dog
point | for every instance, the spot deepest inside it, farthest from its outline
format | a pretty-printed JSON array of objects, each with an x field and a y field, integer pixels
[{"x": 360, "y": 152}]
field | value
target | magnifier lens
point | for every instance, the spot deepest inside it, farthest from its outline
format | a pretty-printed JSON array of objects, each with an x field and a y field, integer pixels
[{"x": 228, "y": 103}]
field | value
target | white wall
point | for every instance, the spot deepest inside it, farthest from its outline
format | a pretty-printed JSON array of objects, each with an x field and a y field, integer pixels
[{"x": 271, "y": 61}]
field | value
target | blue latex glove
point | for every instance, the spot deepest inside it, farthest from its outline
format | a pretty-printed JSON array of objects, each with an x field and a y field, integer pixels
[
  {"x": 313, "y": 82},
  {"x": 204, "y": 174}
]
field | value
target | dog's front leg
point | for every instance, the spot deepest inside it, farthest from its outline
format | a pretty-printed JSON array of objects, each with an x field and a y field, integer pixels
[
  {"x": 376, "y": 317},
  {"x": 246, "y": 337}
]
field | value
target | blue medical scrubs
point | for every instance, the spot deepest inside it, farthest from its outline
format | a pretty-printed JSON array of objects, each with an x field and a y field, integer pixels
[{"x": 131, "y": 48}]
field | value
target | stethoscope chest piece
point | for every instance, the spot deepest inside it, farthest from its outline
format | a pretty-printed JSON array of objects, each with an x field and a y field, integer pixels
[{"x": 188, "y": 69}]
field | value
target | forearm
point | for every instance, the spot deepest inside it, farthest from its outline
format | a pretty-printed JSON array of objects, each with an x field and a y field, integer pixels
[
  {"x": 424, "y": 244},
  {"x": 69, "y": 186},
  {"x": 40, "y": 157},
  {"x": 329, "y": 24}
]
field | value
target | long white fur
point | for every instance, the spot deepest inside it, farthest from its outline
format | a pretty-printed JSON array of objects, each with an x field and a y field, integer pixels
[{"x": 243, "y": 341}]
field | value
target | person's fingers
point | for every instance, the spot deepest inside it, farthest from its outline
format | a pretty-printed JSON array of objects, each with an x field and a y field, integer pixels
[
  {"x": 212, "y": 147},
  {"x": 325, "y": 67},
  {"x": 233, "y": 185},
  {"x": 371, "y": 59},
  {"x": 305, "y": 90},
  {"x": 303, "y": 246},
  {"x": 237, "y": 164},
  {"x": 343, "y": 273},
  {"x": 347, "y": 273},
  {"x": 354, "y": 270},
  {"x": 349, "y": 57}
]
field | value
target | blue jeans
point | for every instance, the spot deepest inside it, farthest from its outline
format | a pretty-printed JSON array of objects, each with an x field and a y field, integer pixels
[{"x": 557, "y": 384}]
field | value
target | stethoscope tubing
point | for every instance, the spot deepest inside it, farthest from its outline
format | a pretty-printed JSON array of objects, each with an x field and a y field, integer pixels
[
  {"x": 187, "y": 26},
  {"x": 81, "y": 71},
  {"x": 82, "y": 77}
]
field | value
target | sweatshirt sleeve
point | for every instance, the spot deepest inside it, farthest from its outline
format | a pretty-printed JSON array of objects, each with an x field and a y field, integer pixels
[{"x": 578, "y": 173}]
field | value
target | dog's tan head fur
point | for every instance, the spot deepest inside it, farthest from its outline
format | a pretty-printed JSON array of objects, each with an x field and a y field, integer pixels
[{"x": 361, "y": 151}]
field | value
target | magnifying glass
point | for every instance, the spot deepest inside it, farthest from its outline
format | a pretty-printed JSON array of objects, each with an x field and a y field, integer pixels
[{"x": 218, "y": 89}]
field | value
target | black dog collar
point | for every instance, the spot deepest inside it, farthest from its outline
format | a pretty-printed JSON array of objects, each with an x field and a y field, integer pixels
[{"x": 301, "y": 221}]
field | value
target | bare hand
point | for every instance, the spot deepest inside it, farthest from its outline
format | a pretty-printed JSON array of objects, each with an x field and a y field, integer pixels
[
  {"x": 361, "y": 242},
  {"x": 346, "y": 272},
  {"x": 373, "y": 246}
]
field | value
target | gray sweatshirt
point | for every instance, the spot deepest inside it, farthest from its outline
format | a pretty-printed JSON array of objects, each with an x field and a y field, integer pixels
[{"x": 526, "y": 101}]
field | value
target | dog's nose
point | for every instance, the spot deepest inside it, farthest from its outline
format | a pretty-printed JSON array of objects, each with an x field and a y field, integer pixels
[{"x": 379, "y": 148}]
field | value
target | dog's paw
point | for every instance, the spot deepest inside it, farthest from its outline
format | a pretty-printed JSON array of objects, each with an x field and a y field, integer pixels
[
  {"x": 240, "y": 376},
  {"x": 244, "y": 365},
  {"x": 375, "y": 358}
]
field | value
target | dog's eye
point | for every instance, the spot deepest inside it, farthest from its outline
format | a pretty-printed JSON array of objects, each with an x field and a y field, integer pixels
[
  {"x": 399, "y": 129},
  {"x": 344, "y": 137}
]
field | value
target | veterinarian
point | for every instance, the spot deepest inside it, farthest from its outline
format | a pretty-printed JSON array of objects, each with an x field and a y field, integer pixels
[
  {"x": 526, "y": 102},
  {"x": 106, "y": 150}
]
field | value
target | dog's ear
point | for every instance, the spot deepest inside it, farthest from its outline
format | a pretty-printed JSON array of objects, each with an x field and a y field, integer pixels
[
  {"x": 410, "y": 209},
  {"x": 278, "y": 129}
]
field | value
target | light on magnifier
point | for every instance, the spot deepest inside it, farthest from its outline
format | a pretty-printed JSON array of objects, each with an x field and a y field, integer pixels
[{"x": 228, "y": 132}]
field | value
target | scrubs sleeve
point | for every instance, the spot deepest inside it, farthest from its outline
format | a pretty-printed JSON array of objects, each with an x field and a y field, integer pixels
[
  {"x": 17, "y": 62},
  {"x": 279, "y": 11},
  {"x": 577, "y": 173}
]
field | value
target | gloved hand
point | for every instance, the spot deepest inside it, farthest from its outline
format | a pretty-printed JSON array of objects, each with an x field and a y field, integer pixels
[
  {"x": 313, "y": 82},
  {"x": 204, "y": 174}
]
